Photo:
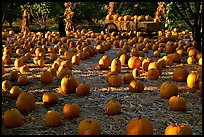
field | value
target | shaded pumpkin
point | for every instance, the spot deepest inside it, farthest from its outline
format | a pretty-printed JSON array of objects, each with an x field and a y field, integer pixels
[
  {"x": 25, "y": 102},
  {"x": 113, "y": 107},
  {"x": 69, "y": 84},
  {"x": 153, "y": 74},
  {"x": 83, "y": 89},
  {"x": 156, "y": 65},
  {"x": 15, "y": 91},
  {"x": 176, "y": 58},
  {"x": 89, "y": 126},
  {"x": 168, "y": 89},
  {"x": 136, "y": 86},
  {"x": 178, "y": 129},
  {"x": 180, "y": 75},
  {"x": 127, "y": 78},
  {"x": 115, "y": 81},
  {"x": 12, "y": 118},
  {"x": 63, "y": 71},
  {"x": 23, "y": 80},
  {"x": 177, "y": 103},
  {"x": 71, "y": 110},
  {"x": 139, "y": 126},
  {"x": 111, "y": 73},
  {"x": 6, "y": 85},
  {"x": 46, "y": 77},
  {"x": 53, "y": 118},
  {"x": 50, "y": 98},
  {"x": 53, "y": 71}
]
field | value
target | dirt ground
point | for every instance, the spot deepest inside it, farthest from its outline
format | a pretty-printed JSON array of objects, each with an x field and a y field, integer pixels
[{"x": 148, "y": 103}]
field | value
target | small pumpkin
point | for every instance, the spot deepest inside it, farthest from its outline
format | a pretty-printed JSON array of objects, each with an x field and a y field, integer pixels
[
  {"x": 12, "y": 118},
  {"x": 115, "y": 81},
  {"x": 69, "y": 84},
  {"x": 53, "y": 71},
  {"x": 136, "y": 86},
  {"x": 139, "y": 126},
  {"x": 6, "y": 85},
  {"x": 89, "y": 126},
  {"x": 63, "y": 71},
  {"x": 180, "y": 75},
  {"x": 46, "y": 77},
  {"x": 127, "y": 78},
  {"x": 116, "y": 65},
  {"x": 71, "y": 110},
  {"x": 75, "y": 60},
  {"x": 13, "y": 76},
  {"x": 53, "y": 118},
  {"x": 110, "y": 73},
  {"x": 192, "y": 80},
  {"x": 168, "y": 89},
  {"x": 124, "y": 59},
  {"x": 18, "y": 62},
  {"x": 136, "y": 72},
  {"x": 153, "y": 74},
  {"x": 113, "y": 107},
  {"x": 177, "y": 103},
  {"x": 15, "y": 91},
  {"x": 104, "y": 62},
  {"x": 67, "y": 63},
  {"x": 83, "y": 89},
  {"x": 50, "y": 98},
  {"x": 23, "y": 80},
  {"x": 156, "y": 65},
  {"x": 178, "y": 129},
  {"x": 24, "y": 69},
  {"x": 25, "y": 102},
  {"x": 191, "y": 60}
]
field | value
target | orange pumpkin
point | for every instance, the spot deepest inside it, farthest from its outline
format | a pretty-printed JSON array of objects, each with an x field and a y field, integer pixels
[
  {"x": 177, "y": 103},
  {"x": 75, "y": 60},
  {"x": 83, "y": 89},
  {"x": 127, "y": 78},
  {"x": 136, "y": 86},
  {"x": 89, "y": 126},
  {"x": 110, "y": 73},
  {"x": 24, "y": 69},
  {"x": 168, "y": 89},
  {"x": 136, "y": 72},
  {"x": 6, "y": 85},
  {"x": 113, "y": 107},
  {"x": 50, "y": 98},
  {"x": 53, "y": 118},
  {"x": 104, "y": 62},
  {"x": 15, "y": 91},
  {"x": 134, "y": 62},
  {"x": 180, "y": 75},
  {"x": 115, "y": 81},
  {"x": 192, "y": 80},
  {"x": 139, "y": 126},
  {"x": 69, "y": 84},
  {"x": 71, "y": 110},
  {"x": 25, "y": 102},
  {"x": 116, "y": 65},
  {"x": 153, "y": 74},
  {"x": 178, "y": 129}
]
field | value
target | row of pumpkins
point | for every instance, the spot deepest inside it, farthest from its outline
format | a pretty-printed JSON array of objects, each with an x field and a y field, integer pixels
[
  {"x": 72, "y": 53},
  {"x": 117, "y": 17}
]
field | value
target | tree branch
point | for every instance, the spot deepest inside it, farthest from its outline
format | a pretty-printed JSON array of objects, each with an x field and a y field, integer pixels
[
  {"x": 185, "y": 19},
  {"x": 190, "y": 10}
]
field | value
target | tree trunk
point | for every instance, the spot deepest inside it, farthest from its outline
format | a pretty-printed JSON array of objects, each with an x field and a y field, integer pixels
[
  {"x": 4, "y": 11},
  {"x": 161, "y": 11},
  {"x": 69, "y": 13},
  {"x": 11, "y": 24}
]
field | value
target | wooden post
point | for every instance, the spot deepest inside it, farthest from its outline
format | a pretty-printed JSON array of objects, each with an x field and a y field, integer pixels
[{"x": 69, "y": 13}]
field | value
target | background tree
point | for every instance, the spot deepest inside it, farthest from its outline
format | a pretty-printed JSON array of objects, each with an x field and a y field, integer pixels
[{"x": 189, "y": 12}]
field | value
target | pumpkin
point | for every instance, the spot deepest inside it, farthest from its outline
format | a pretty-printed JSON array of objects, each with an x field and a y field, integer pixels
[
  {"x": 127, "y": 18},
  {"x": 134, "y": 62},
  {"x": 53, "y": 71},
  {"x": 180, "y": 75},
  {"x": 25, "y": 102},
  {"x": 15, "y": 91},
  {"x": 169, "y": 48},
  {"x": 136, "y": 72},
  {"x": 6, "y": 85},
  {"x": 127, "y": 78},
  {"x": 41, "y": 63},
  {"x": 113, "y": 107},
  {"x": 71, "y": 110},
  {"x": 115, "y": 81},
  {"x": 53, "y": 118},
  {"x": 50, "y": 98},
  {"x": 115, "y": 17},
  {"x": 177, "y": 103},
  {"x": 176, "y": 58},
  {"x": 100, "y": 48},
  {"x": 156, "y": 65},
  {"x": 24, "y": 69},
  {"x": 153, "y": 74},
  {"x": 89, "y": 126},
  {"x": 69, "y": 84},
  {"x": 6, "y": 59},
  {"x": 23, "y": 80},
  {"x": 104, "y": 62},
  {"x": 192, "y": 52},
  {"x": 116, "y": 65},
  {"x": 178, "y": 129},
  {"x": 75, "y": 60},
  {"x": 83, "y": 89},
  {"x": 145, "y": 63},
  {"x": 192, "y": 80},
  {"x": 139, "y": 126},
  {"x": 63, "y": 71},
  {"x": 109, "y": 17},
  {"x": 12, "y": 118},
  {"x": 46, "y": 77},
  {"x": 200, "y": 61},
  {"x": 68, "y": 55},
  {"x": 110, "y": 73},
  {"x": 136, "y": 86},
  {"x": 124, "y": 59},
  {"x": 18, "y": 62},
  {"x": 168, "y": 89}
]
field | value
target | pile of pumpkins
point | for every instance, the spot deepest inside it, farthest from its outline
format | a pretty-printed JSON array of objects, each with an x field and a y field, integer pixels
[{"x": 35, "y": 46}]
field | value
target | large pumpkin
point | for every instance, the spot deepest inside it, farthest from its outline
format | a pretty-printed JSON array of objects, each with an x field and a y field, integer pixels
[
  {"x": 83, "y": 89},
  {"x": 25, "y": 102},
  {"x": 69, "y": 84},
  {"x": 136, "y": 86},
  {"x": 89, "y": 126},
  {"x": 178, "y": 129},
  {"x": 168, "y": 89},
  {"x": 116, "y": 65},
  {"x": 177, "y": 103},
  {"x": 139, "y": 126},
  {"x": 50, "y": 98},
  {"x": 180, "y": 75}
]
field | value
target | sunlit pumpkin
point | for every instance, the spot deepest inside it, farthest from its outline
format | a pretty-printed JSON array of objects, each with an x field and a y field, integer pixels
[{"x": 178, "y": 129}]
